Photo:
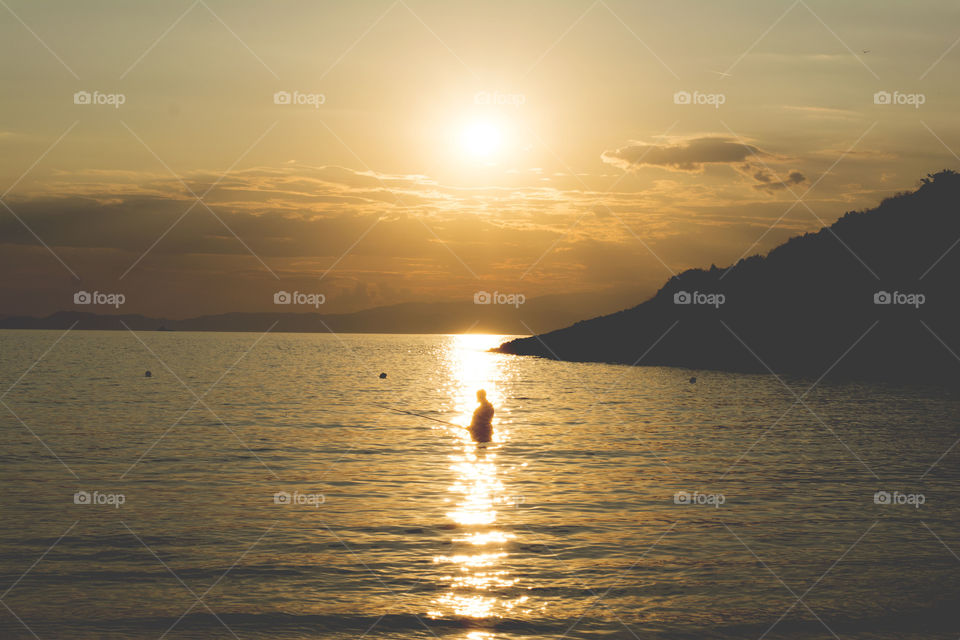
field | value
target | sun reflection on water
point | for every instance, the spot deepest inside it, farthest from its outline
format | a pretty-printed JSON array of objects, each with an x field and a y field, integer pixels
[{"x": 476, "y": 578}]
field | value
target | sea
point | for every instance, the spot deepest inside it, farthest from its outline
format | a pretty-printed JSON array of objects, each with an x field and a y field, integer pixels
[{"x": 273, "y": 485}]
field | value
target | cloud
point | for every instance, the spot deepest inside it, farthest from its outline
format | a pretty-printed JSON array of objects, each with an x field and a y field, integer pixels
[
  {"x": 693, "y": 154},
  {"x": 770, "y": 182},
  {"x": 365, "y": 238},
  {"x": 690, "y": 155}
]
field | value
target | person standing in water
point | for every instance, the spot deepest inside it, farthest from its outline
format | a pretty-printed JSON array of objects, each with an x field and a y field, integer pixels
[{"x": 481, "y": 427}]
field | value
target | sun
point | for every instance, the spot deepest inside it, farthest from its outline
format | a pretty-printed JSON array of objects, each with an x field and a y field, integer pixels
[{"x": 481, "y": 139}]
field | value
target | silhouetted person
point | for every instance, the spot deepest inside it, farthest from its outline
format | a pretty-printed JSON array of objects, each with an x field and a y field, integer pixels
[{"x": 481, "y": 427}]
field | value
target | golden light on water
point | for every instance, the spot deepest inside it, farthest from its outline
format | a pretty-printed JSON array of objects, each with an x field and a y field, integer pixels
[
  {"x": 478, "y": 549},
  {"x": 480, "y": 539},
  {"x": 473, "y": 368}
]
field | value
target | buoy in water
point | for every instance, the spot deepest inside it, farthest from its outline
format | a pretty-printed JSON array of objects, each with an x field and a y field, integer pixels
[
  {"x": 382, "y": 376},
  {"x": 147, "y": 374}
]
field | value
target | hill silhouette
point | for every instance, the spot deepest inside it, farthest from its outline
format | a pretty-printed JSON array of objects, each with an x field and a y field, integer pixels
[
  {"x": 541, "y": 313},
  {"x": 808, "y": 307}
]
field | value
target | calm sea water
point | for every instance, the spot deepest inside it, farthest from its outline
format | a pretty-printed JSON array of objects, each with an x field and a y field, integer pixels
[{"x": 252, "y": 488}]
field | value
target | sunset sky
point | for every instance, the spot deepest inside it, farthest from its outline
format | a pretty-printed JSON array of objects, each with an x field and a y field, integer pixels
[{"x": 441, "y": 148}]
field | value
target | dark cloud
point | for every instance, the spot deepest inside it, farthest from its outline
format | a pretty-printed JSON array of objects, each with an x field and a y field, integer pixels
[
  {"x": 770, "y": 182},
  {"x": 694, "y": 154},
  {"x": 690, "y": 155}
]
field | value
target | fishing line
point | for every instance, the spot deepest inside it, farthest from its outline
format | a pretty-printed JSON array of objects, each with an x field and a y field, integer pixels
[{"x": 419, "y": 415}]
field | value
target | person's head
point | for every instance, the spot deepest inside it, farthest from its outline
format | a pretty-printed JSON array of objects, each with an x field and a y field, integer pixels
[{"x": 481, "y": 395}]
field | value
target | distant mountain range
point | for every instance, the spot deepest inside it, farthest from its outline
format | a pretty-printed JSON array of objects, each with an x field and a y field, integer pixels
[
  {"x": 537, "y": 314},
  {"x": 876, "y": 294}
]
